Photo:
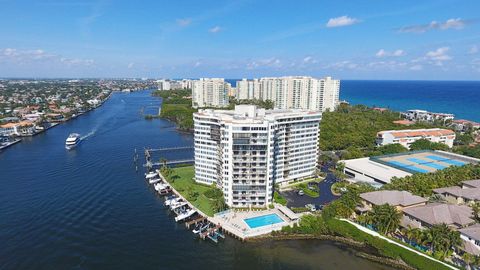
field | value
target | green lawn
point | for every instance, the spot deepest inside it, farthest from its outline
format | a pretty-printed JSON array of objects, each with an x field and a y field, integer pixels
[{"x": 182, "y": 180}]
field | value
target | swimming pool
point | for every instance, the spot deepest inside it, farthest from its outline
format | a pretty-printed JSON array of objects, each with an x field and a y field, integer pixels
[{"x": 261, "y": 221}]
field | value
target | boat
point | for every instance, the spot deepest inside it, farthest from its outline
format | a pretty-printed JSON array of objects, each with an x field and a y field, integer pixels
[
  {"x": 176, "y": 205},
  {"x": 202, "y": 226},
  {"x": 154, "y": 180},
  {"x": 150, "y": 175},
  {"x": 72, "y": 141},
  {"x": 171, "y": 201},
  {"x": 165, "y": 191},
  {"x": 160, "y": 186},
  {"x": 185, "y": 215}
]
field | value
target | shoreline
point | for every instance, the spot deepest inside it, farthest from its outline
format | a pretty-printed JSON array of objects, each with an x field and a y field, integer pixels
[
  {"x": 360, "y": 247},
  {"x": 18, "y": 139}
]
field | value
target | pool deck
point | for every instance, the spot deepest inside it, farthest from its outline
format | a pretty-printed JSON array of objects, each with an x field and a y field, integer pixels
[{"x": 232, "y": 221}]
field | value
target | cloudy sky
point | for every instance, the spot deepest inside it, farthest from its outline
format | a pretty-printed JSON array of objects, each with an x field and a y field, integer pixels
[{"x": 364, "y": 39}]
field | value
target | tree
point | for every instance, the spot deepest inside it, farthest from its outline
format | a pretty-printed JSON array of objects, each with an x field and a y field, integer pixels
[
  {"x": 392, "y": 149},
  {"x": 385, "y": 217},
  {"x": 442, "y": 240},
  {"x": 476, "y": 211},
  {"x": 424, "y": 144}
]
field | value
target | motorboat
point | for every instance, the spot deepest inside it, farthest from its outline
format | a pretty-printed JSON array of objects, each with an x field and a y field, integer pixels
[
  {"x": 160, "y": 186},
  {"x": 171, "y": 201},
  {"x": 72, "y": 141},
  {"x": 154, "y": 180},
  {"x": 185, "y": 215},
  {"x": 150, "y": 175}
]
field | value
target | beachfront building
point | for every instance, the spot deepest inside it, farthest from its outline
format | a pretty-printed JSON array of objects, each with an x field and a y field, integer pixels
[
  {"x": 210, "y": 92},
  {"x": 463, "y": 125},
  {"x": 408, "y": 136},
  {"x": 247, "y": 150},
  {"x": 292, "y": 92},
  {"x": 426, "y": 116},
  {"x": 398, "y": 199}
]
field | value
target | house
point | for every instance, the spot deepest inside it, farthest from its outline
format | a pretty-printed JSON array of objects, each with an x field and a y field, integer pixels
[
  {"x": 453, "y": 215},
  {"x": 471, "y": 183},
  {"x": 459, "y": 195},
  {"x": 422, "y": 115},
  {"x": 399, "y": 199},
  {"x": 23, "y": 128},
  {"x": 471, "y": 239},
  {"x": 408, "y": 136},
  {"x": 464, "y": 125}
]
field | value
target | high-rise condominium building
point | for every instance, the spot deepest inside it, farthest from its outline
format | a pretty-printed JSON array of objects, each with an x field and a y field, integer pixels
[
  {"x": 247, "y": 150},
  {"x": 210, "y": 93},
  {"x": 293, "y": 92}
]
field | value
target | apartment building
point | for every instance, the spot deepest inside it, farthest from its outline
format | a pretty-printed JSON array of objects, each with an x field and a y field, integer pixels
[
  {"x": 408, "y": 136},
  {"x": 247, "y": 150},
  {"x": 210, "y": 92},
  {"x": 426, "y": 116},
  {"x": 293, "y": 92}
]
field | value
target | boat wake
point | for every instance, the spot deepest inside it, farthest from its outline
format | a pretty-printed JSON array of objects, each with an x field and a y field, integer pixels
[{"x": 91, "y": 133}]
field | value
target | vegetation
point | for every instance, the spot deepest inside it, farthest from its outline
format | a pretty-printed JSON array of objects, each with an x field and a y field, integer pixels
[
  {"x": 385, "y": 217},
  {"x": 266, "y": 104},
  {"x": 182, "y": 114},
  {"x": 424, "y": 144},
  {"x": 469, "y": 151},
  {"x": 279, "y": 198},
  {"x": 207, "y": 199},
  {"x": 423, "y": 184},
  {"x": 356, "y": 127},
  {"x": 317, "y": 225}
]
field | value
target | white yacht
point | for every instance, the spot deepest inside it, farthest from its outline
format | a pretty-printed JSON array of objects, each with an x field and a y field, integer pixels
[{"x": 72, "y": 140}]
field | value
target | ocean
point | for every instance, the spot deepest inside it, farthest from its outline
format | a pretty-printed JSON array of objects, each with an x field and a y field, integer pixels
[{"x": 458, "y": 97}]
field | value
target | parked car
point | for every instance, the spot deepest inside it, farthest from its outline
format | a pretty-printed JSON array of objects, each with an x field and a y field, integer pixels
[{"x": 301, "y": 193}]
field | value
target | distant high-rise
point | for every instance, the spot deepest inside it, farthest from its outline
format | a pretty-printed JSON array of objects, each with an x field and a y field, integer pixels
[
  {"x": 293, "y": 92},
  {"x": 210, "y": 92}
]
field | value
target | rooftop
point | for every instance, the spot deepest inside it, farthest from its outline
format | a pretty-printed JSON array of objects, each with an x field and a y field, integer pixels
[
  {"x": 253, "y": 114},
  {"x": 472, "y": 231},
  {"x": 467, "y": 193},
  {"x": 392, "y": 197},
  {"x": 379, "y": 171},
  {"x": 417, "y": 132},
  {"x": 472, "y": 183},
  {"x": 437, "y": 213}
]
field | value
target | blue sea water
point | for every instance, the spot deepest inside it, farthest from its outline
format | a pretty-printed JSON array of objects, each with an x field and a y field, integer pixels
[
  {"x": 461, "y": 98},
  {"x": 458, "y": 97}
]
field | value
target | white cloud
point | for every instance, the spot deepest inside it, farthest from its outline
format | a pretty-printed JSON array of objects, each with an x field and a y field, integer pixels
[
  {"x": 473, "y": 49},
  {"x": 184, "y": 22},
  {"x": 215, "y": 29},
  {"x": 197, "y": 64},
  {"x": 269, "y": 62},
  {"x": 439, "y": 54},
  {"x": 341, "y": 21},
  {"x": 416, "y": 67},
  {"x": 456, "y": 24},
  {"x": 130, "y": 65},
  {"x": 28, "y": 56},
  {"x": 384, "y": 53}
]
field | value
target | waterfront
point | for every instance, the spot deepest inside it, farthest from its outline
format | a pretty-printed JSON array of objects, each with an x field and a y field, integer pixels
[{"x": 89, "y": 209}]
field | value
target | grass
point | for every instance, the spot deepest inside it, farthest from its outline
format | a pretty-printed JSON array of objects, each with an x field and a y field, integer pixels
[
  {"x": 181, "y": 179},
  {"x": 309, "y": 192},
  {"x": 279, "y": 198}
]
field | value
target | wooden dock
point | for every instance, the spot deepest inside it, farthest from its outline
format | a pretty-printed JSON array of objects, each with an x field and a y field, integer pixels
[{"x": 195, "y": 221}]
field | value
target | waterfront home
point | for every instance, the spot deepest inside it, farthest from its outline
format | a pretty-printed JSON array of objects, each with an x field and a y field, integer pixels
[
  {"x": 463, "y": 125},
  {"x": 459, "y": 195},
  {"x": 399, "y": 199},
  {"x": 408, "y": 136},
  {"x": 471, "y": 239},
  {"x": 422, "y": 115},
  {"x": 453, "y": 215},
  {"x": 22, "y": 128}
]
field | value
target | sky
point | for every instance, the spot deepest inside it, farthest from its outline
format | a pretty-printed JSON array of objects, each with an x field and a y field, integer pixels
[{"x": 361, "y": 39}]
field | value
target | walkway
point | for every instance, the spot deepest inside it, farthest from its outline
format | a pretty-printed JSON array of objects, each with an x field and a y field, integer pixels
[{"x": 374, "y": 233}]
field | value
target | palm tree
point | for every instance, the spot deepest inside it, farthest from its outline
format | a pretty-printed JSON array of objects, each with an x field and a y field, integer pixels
[
  {"x": 386, "y": 218},
  {"x": 476, "y": 211},
  {"x": 443, "y": 239}
]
